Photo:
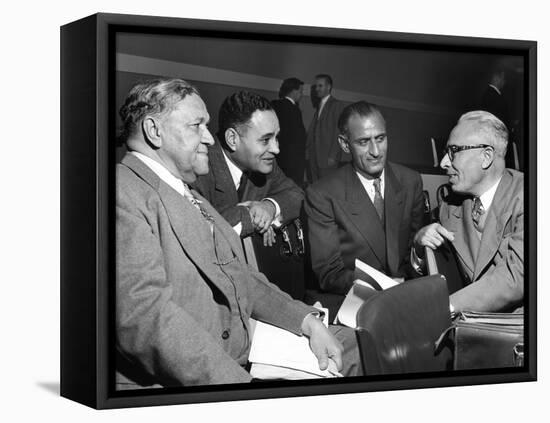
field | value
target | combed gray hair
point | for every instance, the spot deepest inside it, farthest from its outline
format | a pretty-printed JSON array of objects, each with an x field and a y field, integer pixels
[
  {"x": 492, "y": 129},
  {"x": 153, "y": 97}
]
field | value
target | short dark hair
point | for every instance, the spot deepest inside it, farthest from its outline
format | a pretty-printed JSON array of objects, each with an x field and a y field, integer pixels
[
  {"x": 237, "y": 109},
  {"x": 361, "y": 108},
  {"x": 289, "y": 85},
  {"x": 326, "y": 77},
  {"x": 151, "y": 97}
]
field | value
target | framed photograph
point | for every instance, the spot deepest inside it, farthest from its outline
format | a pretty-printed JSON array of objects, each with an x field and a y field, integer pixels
[{"x": 140, "y": 323}]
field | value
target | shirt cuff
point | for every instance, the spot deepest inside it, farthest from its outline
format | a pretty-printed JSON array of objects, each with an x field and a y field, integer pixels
[{"x": 277, "y": 220}]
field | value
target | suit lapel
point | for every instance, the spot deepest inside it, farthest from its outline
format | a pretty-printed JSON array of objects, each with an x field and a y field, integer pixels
[
  {"x": 393, "y": 210},
  {"x": 364, "y": 216},
  {"x": 494, "y": 226},
  {"x": 462, "y": 235},
  {"x": 189, "y": 227},
  {"x": 222, "y": 176}
]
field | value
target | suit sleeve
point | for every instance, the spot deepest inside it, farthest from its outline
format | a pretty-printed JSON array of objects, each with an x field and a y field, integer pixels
[
  {"x": 326, "y": 260},
  {"x": 286, "y": 193},
  {"x": 417, "y": 219},
  {"x": 152, "y": 330},
  {"x": 501, "y": 288},
  {"x": 234, "y": 214}
]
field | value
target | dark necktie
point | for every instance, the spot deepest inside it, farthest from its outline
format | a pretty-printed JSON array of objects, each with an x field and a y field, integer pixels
[
  {"x": 477, "y": 213},
  {"x": 242, "y": 186},
  {"x": 378, "y": 200}
]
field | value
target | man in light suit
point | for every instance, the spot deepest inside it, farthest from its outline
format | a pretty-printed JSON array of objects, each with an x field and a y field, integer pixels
[
  {"x": 184, "y": 294},
  {"x": 246, "y": 185},
  {"x": 292, "y": 138},
  {"x": 369, "y": 209},
  {"x": 323, "y": 154},
  {"x": 484, "y": 220}
]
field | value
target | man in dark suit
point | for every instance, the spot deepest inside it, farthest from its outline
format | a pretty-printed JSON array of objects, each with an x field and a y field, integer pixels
[
  {"x": 323, "y": 154},
  {"x": 292, "y": 138},
  {"x": 483, "y": 220},
  {"x": 245, "y": 183},
  {"x": 184, "y": 293},
  {"x": 369, "y": 209}
]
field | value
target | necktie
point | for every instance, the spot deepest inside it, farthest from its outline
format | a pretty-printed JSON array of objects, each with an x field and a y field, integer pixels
[
  {"x": 378, "y": 200},
  {"x": 242, "y": 185},
  {"x": 477, "y": 213},
  {"x": 198, "y": 204}
]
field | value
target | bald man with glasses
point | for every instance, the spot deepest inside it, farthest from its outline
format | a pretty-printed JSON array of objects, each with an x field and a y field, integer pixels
[{"x": 482, "y": 219}]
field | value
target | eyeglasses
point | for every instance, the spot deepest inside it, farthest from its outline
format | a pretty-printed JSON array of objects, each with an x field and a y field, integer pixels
[{"x": 451, "y": 150}]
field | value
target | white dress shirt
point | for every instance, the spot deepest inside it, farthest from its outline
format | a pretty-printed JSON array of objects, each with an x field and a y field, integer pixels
[{"x": 368, "y": 184}]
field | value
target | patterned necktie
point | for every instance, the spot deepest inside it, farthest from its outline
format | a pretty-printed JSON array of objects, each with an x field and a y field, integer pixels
[
  {"x": 198, "y": 204},
  {"x": 477, "y": 212},
  {"x": 378, "y": 200}
]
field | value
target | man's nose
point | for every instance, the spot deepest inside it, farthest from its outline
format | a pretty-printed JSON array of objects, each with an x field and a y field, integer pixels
[
  {"x": 373, "y": 149},
  {"x": 207, "y": 138},
  {"x": 445, "y": 161},
  {"x": 274, "y": 146}
]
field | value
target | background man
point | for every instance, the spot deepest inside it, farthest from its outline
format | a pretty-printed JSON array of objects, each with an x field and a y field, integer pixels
[
  {"x": 322, "y": 151},
  {"x": 292, "y": 138},
  {"x": 245, "y": 183},
  {"x": 369, "y": 209},
  {"x": 484, "y": 221},
  {"x": 184, "y": 291}
]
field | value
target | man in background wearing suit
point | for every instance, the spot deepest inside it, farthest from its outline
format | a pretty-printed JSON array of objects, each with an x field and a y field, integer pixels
[
  {"x": 292, "y": 138},
  {"x": 369, "y": 209},
  {"x": 184, "y": 293},
  {"x": 322, "y": 152},
  {"x": 484, "y": 219}
]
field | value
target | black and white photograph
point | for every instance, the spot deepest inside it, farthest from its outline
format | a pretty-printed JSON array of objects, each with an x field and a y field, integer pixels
[
  {"x": 294, "y": 208},
  {"x": 290, "y": 211}
]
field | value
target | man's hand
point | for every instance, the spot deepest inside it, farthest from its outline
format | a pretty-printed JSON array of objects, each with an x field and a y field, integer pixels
[
  {"x": 269, "y": 237},
  {"x": 431, "y": 236},
  {"x": 323, "y": 344},
  {"x": 262, "y": 214}
]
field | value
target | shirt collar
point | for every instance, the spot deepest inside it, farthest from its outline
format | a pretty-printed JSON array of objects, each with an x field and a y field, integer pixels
[
  {"x": 370, "y": 182},
  {"x": 488, "y": 196},
  {"x": 163, "y": 173},
  {"x": 236, "y": 173},
  {"x": 291, "y": 100}
]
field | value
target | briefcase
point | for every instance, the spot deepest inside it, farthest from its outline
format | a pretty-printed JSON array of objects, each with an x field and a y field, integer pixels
[
  {"x": 486, "y": 340},
  {"x": 283, "y": 262}
]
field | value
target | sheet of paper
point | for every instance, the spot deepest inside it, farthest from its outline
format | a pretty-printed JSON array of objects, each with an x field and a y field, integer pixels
[
  {"x": 274, "y": 346},
  {"x": 384, "y": 281},
  {"x": 347, "y": 314}
]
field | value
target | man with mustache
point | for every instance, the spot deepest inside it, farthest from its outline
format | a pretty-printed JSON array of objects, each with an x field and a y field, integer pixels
[
  {"x": 184, "y": 293},
  {"x": 483, "y": 219},
  {"x": 369, "y": 209},
  {"x": 245, "y": 183}
]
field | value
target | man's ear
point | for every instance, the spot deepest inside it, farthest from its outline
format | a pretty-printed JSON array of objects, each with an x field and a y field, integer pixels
[
  {"x": 488, "y": 158},
  {"x": 232, "y": 138},
  {"x": 342, "y": 140},
  {"x": 151, "y": 131}
]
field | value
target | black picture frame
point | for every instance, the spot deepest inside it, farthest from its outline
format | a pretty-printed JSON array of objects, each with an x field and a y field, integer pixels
[{"x": 87, "y": 213}]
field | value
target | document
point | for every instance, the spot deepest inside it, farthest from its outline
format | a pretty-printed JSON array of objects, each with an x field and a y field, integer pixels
[
  {"x": 368, "y": 281},
  {"x": 276, "y": 353}
]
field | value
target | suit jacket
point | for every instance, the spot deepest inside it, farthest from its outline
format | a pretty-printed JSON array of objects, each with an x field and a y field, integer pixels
[
  {"x": 180, "y": 318},
  {"x": 292, "y": 139},
  {"x": 343, "y": 225},
  {"x": 322, "y": 148},
  {"x": 494, "y": 265},
  {"x": 218, "y": 187}
]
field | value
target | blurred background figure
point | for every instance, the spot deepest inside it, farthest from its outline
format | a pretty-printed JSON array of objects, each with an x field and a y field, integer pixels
[{"x": 292, "y": 138}]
